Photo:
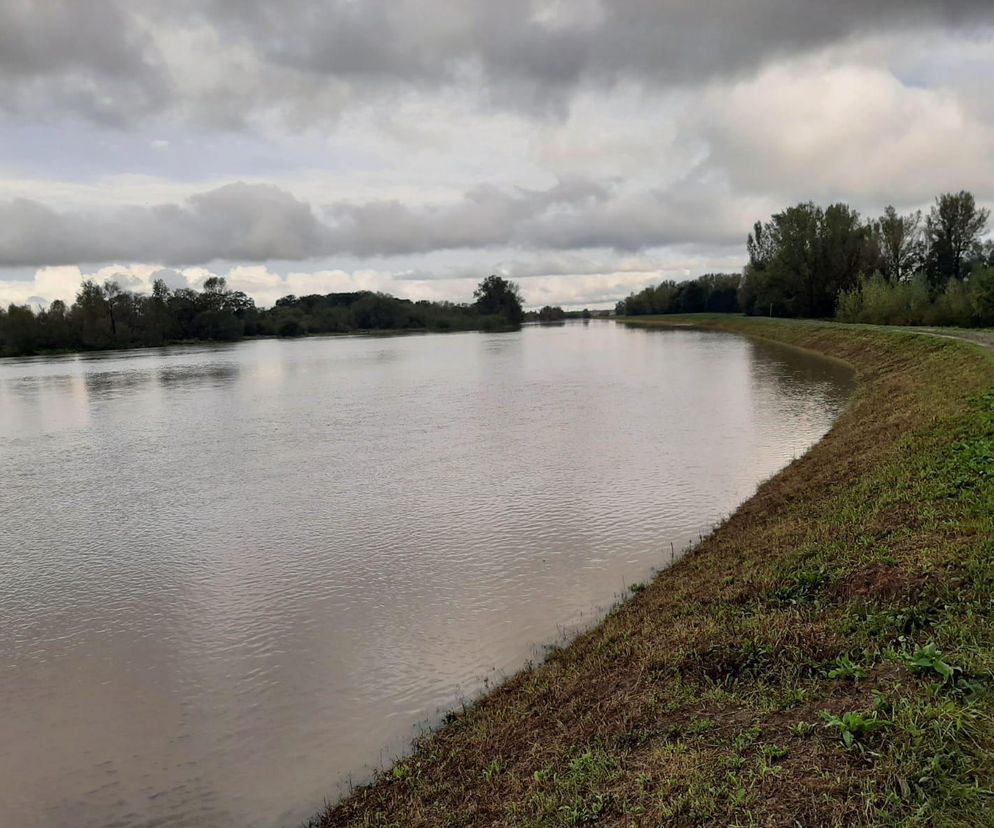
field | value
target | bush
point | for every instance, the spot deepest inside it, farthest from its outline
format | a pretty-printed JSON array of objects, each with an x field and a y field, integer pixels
[
  {"x": 289, "y": 327},
  {"x": 951, "y": 307},
  {"x": 981, "y": 284},
  {"x": 850, "y": 305},
  {"x": 879, "y": 302}
]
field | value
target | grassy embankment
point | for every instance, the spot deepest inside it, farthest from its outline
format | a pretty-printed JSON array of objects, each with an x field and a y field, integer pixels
[{"x": 825, "y": 657}]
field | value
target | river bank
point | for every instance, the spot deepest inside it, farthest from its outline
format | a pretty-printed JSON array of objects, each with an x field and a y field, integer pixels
[
  {"x": 222, "y": 343},
  {"x": 823, "y": 657}
]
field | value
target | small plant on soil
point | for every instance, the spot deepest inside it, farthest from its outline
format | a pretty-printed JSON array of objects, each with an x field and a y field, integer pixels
[
  {"x": 845, "y": 668},
  {"x": 854, "y": 727},
  {"x": 929, "y": 659}
]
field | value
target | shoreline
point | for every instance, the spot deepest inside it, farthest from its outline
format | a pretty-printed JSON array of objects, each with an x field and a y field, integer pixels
[
  {"x": 792, "y": 666},
  {"x": 222, "y": 343}
]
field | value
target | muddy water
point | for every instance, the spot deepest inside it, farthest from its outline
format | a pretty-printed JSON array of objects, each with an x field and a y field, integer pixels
[{"x": 232, "y": 576}]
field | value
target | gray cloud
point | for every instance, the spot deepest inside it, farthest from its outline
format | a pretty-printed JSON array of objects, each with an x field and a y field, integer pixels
[
  {"x": 258, "y": 223},
  {"x": 173, "y": 279},
  {"x": 530, "y": 52},
  {"x": 251, "y": 222},
  {"x": 307, "y": 59},
  {"x": 485, "y": 216},
  {"x": 90, "y": 58},
  {"x": 557, "y": 43}
]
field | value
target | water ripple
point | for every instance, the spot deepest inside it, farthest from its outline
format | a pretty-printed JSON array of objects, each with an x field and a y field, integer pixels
[{"x": 231, "y": 577}]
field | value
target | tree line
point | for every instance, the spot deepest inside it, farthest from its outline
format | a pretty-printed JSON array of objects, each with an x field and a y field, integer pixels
[
  {"x": 824, "y": 262},
  {"x": 814, "y": 262},
  {"x": 710, "y": 293},
  {"x": 106, "y": 316},
  {"x": 555, "y": 313}
]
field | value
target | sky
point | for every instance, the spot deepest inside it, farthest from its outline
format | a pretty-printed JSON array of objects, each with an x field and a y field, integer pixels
[{"x": 583, "y": 148}]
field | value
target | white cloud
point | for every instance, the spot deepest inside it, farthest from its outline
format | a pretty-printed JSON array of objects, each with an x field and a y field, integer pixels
[
  {"x": 549, "y": 277},
  {"x": 812, "y": 129}
]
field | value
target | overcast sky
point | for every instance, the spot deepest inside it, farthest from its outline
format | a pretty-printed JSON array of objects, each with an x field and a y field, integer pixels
[{"x": 585, "y": 148}]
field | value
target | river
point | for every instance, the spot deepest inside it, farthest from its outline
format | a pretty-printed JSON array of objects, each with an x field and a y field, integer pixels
[{"x": 233, "y": 576}]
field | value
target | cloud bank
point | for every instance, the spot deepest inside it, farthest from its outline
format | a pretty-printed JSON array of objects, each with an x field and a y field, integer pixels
[
  {"x": 226, "y": 60},
  {"x": 261, "y": 222}
]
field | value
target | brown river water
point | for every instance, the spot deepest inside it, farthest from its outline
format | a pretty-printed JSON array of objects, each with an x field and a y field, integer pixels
[{"x": 231, "y": 577}]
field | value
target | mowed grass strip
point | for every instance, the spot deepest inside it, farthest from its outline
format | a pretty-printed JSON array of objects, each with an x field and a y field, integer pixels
[{"x": 825, "y": 657}]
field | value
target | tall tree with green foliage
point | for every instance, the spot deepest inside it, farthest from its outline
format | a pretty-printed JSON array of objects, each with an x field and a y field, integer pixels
[
  {"x": 91, "y": 311},
  {"x": 496, "y": 296},
  {"x": 953, "y": 229},
  {"x": 900, "y": 242},
  {"x": 112, "y": 293},
  {"x": 158, "y": 322},
  {"x": 802, "y": 258},
  {"x": 844, "y": 252}
]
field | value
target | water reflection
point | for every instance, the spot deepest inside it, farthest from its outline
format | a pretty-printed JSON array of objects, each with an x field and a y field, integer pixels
[
  {"x": 232, "y": 576},
  {"x": 190, "y": 376},
  {"x": 112, "y": 383}
]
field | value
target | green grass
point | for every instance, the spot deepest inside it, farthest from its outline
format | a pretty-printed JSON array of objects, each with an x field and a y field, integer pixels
[{"x": 826, "y": 657}]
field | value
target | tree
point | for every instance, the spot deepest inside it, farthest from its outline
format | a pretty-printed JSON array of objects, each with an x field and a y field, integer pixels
[
  {"x": 982, "y": 296},
  {"x": 377, "y": 311},
  {"x": 845, "y": 253},
  {"x": 551, "y": 314},
  {"x": 802, "y": 258},
  {"x": 792, "y": 271},
  {"x": 220, "y": 312},
  {"x": 722, "y": 291},
  {"x": 111, "y": 291},
  {"x": 91, "y": 313},
  {"x": 760, "y": 246},
  {"x": 496, "y": 296},
  {"x": 715, "y": 292},
  {"x": 985, "y": 254},
  {"x": 158, "y": 322},
  {"x": 20, "y": 331},
  {"x": 213, "y": 295},
  {"x": 900, "y": 241},
  {"x": 692, "y": 297},
  {"x": 107, "y": 316},
  {"x": 953, "y": 230},
  {"x": 55, "y": 329}
]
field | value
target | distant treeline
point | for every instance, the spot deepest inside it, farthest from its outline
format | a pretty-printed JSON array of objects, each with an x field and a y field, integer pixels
[
  {"x": 554, "y": 313},
  {"x": 711, "y": 293},
  {"x": 823, "y": 262},
  {"x": 105, "y": 316}
]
